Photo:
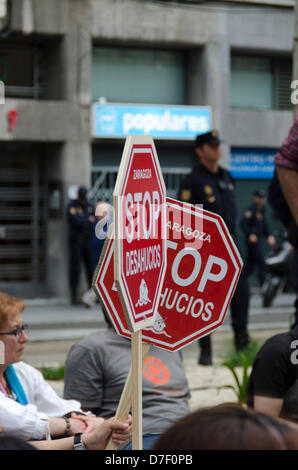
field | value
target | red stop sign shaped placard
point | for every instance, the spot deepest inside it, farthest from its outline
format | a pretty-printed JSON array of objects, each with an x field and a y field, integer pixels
[
  {"x": 140, "y": 238},
  {"x": 203, "y": 267}
]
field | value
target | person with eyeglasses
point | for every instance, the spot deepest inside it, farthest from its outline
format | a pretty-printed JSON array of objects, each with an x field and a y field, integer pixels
[
  {"x": 29, "y": 408},
  {"x": 213, "y": 186}
]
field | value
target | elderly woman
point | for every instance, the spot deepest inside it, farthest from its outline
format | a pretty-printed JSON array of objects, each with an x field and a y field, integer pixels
[{"x": 29, "y": 407}]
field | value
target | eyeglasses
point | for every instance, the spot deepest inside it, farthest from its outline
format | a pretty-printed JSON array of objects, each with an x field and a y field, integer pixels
[{"x": 17, "y": 332}]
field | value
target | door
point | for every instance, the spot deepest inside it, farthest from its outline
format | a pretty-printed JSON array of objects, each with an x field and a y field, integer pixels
[{"x": 22, "y": 218}]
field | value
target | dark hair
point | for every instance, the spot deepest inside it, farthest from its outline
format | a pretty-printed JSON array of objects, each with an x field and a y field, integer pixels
[
  {"x": 14, "y": 443},
  {"x": 227, "y": 427},
  {"x": 82, "y": 192}
]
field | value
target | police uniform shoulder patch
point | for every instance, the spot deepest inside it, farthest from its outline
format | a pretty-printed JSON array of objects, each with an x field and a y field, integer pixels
[
  {"x": 185, "y": 194},
  {"x": 72, "y": 211},
  {"x": 247, "y": 214},
  {"x": 208, "y": 190}
]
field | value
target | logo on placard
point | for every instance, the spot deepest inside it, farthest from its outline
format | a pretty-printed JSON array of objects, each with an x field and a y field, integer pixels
[
  {"x": 159, "y": 326},
  {"x": 143, "y": 294},
  {"x": 156, "y": 371}
]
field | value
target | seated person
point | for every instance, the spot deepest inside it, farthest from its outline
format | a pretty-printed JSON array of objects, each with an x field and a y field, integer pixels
[
  {"x": 229, "y": 427},
  {"x": 96, "y": 371},
  {"x": 273, "y": 385},
  {"x": 29, "y": 407}
]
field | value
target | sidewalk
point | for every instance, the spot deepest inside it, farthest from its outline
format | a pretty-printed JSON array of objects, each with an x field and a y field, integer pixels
[{"x": 55, "y": 319}]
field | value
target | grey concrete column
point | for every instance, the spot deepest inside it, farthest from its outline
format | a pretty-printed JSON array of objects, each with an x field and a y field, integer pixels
[
  {"x": 71, "y": 160},
  {"x": 75, "y": 54},
  {"x": 208, "y": 84}
]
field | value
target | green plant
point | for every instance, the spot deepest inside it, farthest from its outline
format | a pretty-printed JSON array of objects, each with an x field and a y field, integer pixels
[
  {"x": 53, "y": 373},
  {"x": 240, "y": 383},
  {"x": 235, "y": 357}
]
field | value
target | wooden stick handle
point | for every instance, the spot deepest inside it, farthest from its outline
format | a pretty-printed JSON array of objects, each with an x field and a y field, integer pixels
[
  {"x": 125, "y": 402},
  {"x": 137, "y": 409}
]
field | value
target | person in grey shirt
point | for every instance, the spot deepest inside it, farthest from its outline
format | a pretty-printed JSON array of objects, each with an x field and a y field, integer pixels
[{"x": 96, "y": 370}]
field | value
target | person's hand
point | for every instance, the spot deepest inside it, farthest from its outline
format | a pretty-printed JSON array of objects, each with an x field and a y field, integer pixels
[
  {"x": 91, "y": 422},
  {"x": 271, "y": 240},
  {"x": 92, "y": 219},
  {"x": 98, "y": 438},
  {"x": 77, "y": 425},
  {"x": 252, "y": 238},
  {"x": 120, "y": 437}
]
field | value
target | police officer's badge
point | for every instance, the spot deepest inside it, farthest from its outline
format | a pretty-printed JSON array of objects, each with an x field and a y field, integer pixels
[
  {"x": 185, "y": 194},
  {"x": 259, "y": 215},
  {"x": 231, "y": 187},
  {"x": 208, "y": 190},
  {"x": 211, "y": 199},
  {"x": 214, "y": 134}
]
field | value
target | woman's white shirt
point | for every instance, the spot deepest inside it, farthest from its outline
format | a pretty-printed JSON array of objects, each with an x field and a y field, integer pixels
[{"x": 30, "y": 422}]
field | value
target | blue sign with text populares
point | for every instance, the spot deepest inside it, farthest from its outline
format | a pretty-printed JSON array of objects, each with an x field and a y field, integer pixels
[
  {"x": 160, "y": 121},
  {"x": 252, "y": 163}
]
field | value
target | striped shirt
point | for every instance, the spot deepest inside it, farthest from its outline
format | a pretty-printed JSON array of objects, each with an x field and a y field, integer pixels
[{"x": 287, "y": 155}]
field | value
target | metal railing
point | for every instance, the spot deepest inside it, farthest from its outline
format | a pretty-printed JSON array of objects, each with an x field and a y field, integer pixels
[{"x": 104, "y": 179}]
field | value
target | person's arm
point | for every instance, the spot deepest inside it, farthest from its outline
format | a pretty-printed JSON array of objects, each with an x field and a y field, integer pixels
[
  {"x": 22, "y": 420},
  {"x": 288, "y": 179},
  {"x": 185, "y": 189},
  {"x": 95, "y": 440},
  {"x": 47, "y": 400},
  {"x": 270, "y": 406},
  {"x": 271, "y": 375},
  {"x": 58, "y": 426}
]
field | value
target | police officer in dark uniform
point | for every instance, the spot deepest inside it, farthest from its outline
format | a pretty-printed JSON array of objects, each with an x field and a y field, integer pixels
[
  {"x": 213, "y": 186},
  {"x": 255, "y": 227},
  {"x": 81, "y": 219}
]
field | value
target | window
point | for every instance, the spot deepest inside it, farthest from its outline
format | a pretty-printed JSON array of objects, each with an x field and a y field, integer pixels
[
  {"x": 260, "y": 82},
  {"x": 138, "y": 75},
  {"x": 20, "y": 70}
]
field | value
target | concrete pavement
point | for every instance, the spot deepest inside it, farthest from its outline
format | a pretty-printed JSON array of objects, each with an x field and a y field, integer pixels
[{"x": 55, "y": 319}]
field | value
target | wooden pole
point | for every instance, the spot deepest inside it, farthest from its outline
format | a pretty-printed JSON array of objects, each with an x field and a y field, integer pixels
[
  {"x": 125, "y": 402},
  {"x": 136, "y": 367}
]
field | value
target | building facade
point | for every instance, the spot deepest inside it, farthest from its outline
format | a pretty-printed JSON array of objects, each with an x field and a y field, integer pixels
[{"x": 62, "y": 59}]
